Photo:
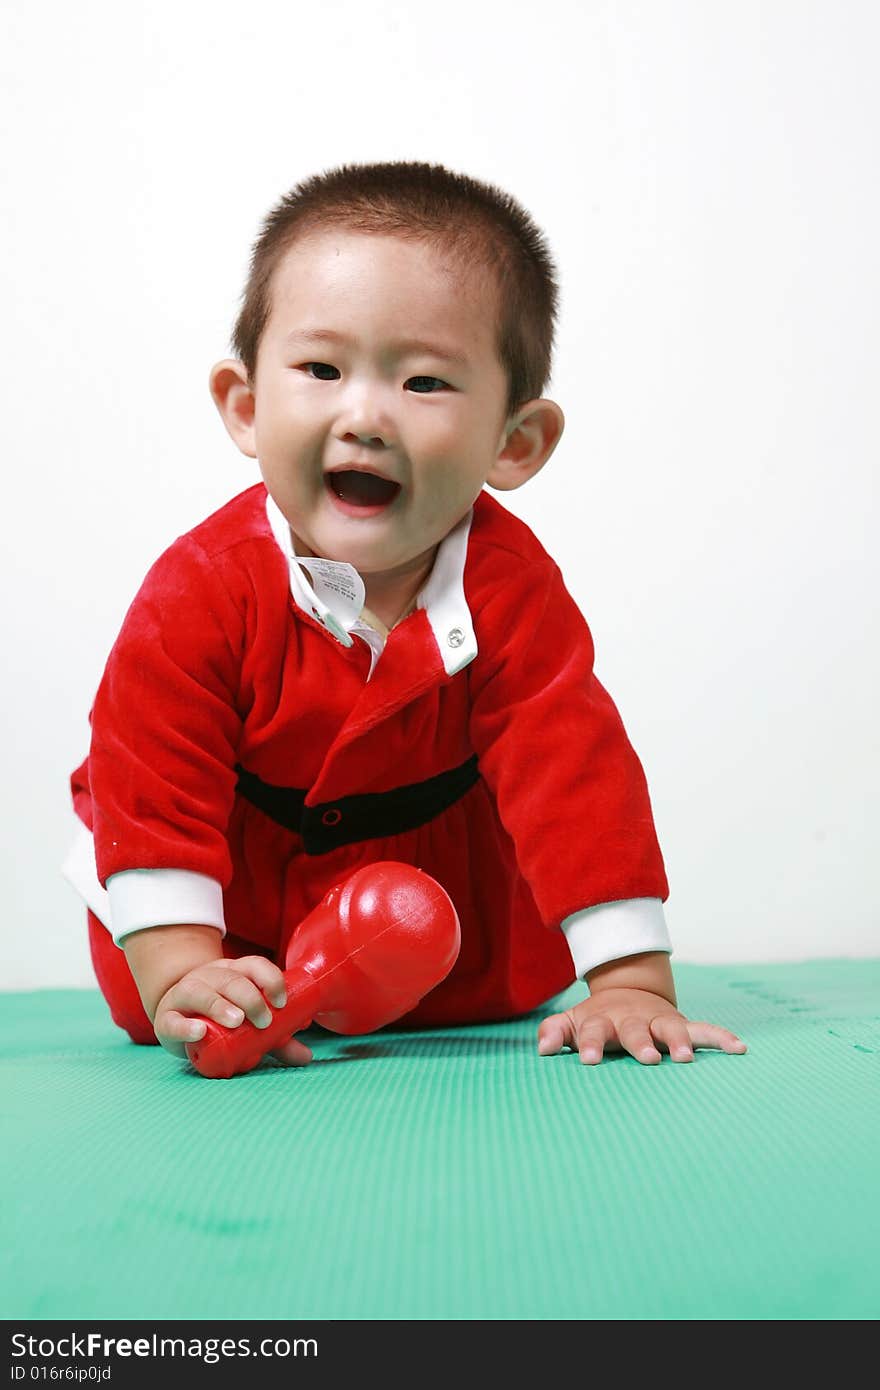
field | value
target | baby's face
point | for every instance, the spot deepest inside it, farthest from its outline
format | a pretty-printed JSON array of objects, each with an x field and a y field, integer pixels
[{"x": 379, "y": 398}]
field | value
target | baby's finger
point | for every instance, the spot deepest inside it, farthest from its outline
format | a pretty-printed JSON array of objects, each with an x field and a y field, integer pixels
[
  {"x": 556, "y": 1032},
  {"x": 635, "y": 1038},
  {"x": 197, "y": 995},
  {"x": 266, "y": 975},
  {"x": 704, "y": 1034},
  {"x": 593, "y": 1036},
  {"x": 672, "y": 1031},
  {"x": 174, "y": 1030},
  {"x": 244, "y": 997},
  {"x": 293, "y": 1054}
]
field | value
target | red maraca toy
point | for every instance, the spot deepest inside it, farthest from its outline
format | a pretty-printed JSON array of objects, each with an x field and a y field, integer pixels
[{"x": 368, "y": 953}]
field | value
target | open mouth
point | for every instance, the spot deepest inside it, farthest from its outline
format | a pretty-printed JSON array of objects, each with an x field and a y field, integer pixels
[{"x": 360, "y": 489}]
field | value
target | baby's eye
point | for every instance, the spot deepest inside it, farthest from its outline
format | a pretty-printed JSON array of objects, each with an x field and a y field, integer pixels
[
  {"x": 431, "y": 380},
  {"x": 321, "y": 367}
]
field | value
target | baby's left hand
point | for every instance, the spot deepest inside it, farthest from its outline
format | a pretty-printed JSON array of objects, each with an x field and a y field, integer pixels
[{"x": 634, "y": 1021}]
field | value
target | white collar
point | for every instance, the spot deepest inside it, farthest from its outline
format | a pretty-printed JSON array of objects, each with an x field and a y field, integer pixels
[{"x": 333, "y": 593}]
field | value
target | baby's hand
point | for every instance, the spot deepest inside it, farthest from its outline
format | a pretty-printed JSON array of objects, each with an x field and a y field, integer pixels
[
  {"x": 226, "y": 991},
  {"x": 634, "y": 1021}
]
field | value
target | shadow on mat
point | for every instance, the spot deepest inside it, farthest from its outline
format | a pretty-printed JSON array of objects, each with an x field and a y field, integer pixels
[{"x": 410, "y": 1046}]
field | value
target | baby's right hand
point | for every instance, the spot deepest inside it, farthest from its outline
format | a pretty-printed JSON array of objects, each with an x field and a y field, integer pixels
[{"x": 226, "y": 991}]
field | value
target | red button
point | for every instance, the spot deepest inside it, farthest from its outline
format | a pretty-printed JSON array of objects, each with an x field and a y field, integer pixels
[{"x": 331, "y": 817}]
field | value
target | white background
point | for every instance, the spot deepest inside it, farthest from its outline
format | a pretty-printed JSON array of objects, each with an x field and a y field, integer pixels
[{"x": 706, "y": 174}]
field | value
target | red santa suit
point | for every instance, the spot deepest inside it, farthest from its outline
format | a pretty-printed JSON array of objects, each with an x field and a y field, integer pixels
[{"x": 254, "y": 742}]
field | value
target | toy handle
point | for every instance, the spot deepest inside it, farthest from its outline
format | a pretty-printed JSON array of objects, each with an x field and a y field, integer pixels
[{"x": 224, "y": 1052}]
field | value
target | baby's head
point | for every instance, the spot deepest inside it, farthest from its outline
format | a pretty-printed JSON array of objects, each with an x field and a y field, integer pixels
[{"x": 394, "y": 339}]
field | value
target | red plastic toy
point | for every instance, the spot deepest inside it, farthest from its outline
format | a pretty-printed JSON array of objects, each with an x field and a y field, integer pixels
[{"x": 367, "y": 954}]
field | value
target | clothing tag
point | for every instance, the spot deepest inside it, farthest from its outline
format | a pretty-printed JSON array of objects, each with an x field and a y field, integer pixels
[{"x": 336, "y": 584}]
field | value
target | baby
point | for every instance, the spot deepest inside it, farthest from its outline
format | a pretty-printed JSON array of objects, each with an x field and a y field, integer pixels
[{"x": 364, "y": 657}]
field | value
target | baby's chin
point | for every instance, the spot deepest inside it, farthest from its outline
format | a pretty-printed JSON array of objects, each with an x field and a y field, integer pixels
[{"x": 375, "y": 545}]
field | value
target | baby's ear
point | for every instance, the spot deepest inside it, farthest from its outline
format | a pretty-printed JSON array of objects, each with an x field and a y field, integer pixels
[
  {"x": 233, "y": 397},
  {"x": 529, "y": 438}
]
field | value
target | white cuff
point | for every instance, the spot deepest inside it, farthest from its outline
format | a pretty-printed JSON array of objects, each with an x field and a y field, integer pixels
[
  {"x": 610, "y": 931},
  {"x": 141, "y": 898},
  {"x": 138, "y": 898}
]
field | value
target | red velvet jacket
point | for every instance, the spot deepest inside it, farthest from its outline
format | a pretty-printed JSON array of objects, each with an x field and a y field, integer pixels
[{"x": 235, "y": 737}]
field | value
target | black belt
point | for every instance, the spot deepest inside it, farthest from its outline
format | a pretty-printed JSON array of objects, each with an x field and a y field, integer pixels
[{"x": 369, "y": 816}]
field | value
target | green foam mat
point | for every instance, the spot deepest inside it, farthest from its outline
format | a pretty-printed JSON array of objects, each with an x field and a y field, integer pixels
[{"x": 453, "y": 1174}]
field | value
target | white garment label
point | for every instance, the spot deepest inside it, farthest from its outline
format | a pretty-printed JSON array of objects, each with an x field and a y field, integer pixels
[{"x": 337, "y": 585}]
